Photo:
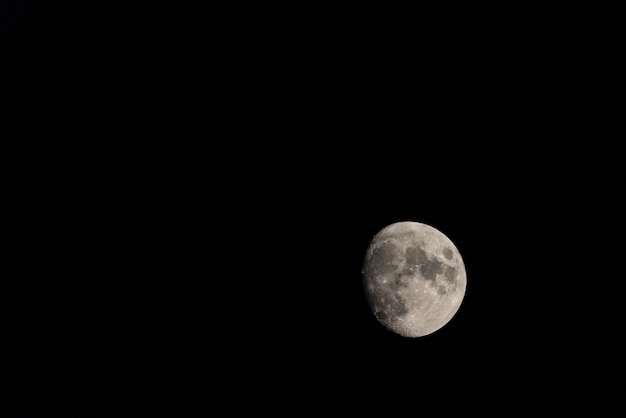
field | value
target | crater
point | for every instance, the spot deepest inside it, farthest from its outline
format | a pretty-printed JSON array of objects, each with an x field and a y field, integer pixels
[
  {"x": 441, "y": 290},
  {"x": 447, "y": 253},
  {"x": 387, "y": 304}
]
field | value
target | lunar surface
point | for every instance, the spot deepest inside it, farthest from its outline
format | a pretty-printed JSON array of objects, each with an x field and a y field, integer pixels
[{"x": 414, "y": 278}]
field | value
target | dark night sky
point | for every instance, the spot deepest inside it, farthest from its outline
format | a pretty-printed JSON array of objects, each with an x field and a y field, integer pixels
[{"x": 191, "y": 191}]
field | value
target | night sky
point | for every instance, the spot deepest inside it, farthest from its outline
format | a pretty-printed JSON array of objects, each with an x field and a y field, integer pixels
[{"x": 189, "y": 195}]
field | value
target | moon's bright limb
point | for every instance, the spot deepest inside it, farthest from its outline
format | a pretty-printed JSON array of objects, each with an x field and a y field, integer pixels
[{"x": 414, "y": 278}]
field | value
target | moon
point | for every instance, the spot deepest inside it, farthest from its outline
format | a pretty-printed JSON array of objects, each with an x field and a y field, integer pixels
[{"x": 414, "y": 278}]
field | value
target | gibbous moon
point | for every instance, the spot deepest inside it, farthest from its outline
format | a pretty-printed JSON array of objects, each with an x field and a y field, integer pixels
[{"x": 414, "y": 278}]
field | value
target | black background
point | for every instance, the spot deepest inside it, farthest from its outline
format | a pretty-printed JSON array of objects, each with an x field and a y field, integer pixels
[{"x": 190, "y": 191}]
